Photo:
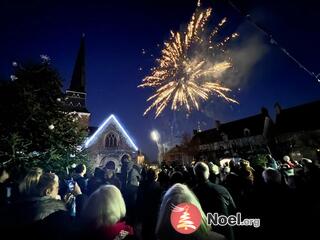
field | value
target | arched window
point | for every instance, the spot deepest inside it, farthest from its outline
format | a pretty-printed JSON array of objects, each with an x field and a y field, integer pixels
[{"x": 111, "y": 140}]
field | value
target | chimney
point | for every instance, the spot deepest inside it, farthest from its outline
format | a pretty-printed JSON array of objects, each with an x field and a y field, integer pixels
[
  {"x": 264, "y": 111},
  {"x": 218, "y": 124},
  {"x": 277, "y": 107}
]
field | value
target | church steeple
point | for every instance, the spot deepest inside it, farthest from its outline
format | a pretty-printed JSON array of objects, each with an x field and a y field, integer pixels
[
  {"x": 76, "y": 94},
  {"x": 78, "y": 77}
]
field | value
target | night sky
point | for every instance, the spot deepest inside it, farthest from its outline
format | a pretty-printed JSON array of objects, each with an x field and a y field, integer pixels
[{"x": 117, "y": 31}]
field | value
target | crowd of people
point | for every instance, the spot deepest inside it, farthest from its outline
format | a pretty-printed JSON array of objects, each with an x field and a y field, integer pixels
[{"x": 136, "y": 203}]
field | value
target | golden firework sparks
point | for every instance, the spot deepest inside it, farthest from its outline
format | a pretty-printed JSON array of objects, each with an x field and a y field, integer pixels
[{"x": 183, "y": 77}]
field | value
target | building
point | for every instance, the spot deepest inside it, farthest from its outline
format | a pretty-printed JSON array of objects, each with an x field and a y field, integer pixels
[
  {"x": 109, "y": 142},
  {"x": 178, "y": 155},
  {"x": 238, "y": 138},
  {"x": 297, "y": 131},
  {"x": 75, "y": 97}
]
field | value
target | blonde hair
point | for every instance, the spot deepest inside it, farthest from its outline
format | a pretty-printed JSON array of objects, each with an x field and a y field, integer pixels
[
  {"x": 104, "y": 207},
  {"x": 28, "y": 186},
  {"x": 214, "y": 168},
  {"x": 178, "y": 193},
  {"x": 47, "y": 182}
]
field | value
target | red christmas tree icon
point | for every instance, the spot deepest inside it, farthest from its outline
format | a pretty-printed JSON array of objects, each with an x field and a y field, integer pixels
[{"x": 184, "y": 220}]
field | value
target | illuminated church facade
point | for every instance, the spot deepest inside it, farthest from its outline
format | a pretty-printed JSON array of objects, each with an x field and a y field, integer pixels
[{"x": 110, "y": 141}]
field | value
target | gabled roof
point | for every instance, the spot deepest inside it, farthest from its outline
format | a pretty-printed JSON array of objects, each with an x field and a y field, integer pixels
[
  {"x": 208, "y": 136},
  {"x": 300, "y": 118},
  {"x": 111, "y": 119},
  {"x": 233, "y": 130}
]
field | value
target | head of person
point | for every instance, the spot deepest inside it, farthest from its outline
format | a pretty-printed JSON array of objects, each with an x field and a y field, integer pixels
[
  {"x": 226, "y": 170},
  {"x": 81, "y": 169},
  {"x": 286, "y": 159},
  {"x": 163, "y": 178},
  {"x": 152, "y": 175},
  {"x": 213, "y": 168},
  {"x": 246, "y": 170},
  {"x": 232, "y": 164},
  {"x": 178, "y": 193},
  {"x": 271, "y": 176},
  {"x": 176, "y": 177},
  {"x": 104, "y": 207},
  {"x": 98, "y": 173},
  {"x": 110, "y": 169},
  {"x": 48, "y": 185},
  {"x": 270, "y": 161},
  {"x": 201, "y": 171},
  {"x": 28, "y": 186},
  {"x": 4, "y": 174},
  {"x": 244, "y": 164}
]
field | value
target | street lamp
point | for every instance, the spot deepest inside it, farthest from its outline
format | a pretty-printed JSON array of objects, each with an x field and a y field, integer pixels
[{"x": 155, "y": 136}]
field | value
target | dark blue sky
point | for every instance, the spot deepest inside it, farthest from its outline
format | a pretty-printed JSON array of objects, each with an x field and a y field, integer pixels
[{"x": 117, "y": 31}]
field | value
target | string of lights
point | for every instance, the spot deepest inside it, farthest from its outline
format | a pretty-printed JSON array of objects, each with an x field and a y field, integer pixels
[{"x": 273, "y": 41}]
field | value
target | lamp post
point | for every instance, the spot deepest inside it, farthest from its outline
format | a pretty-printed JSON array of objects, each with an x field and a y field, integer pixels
[{"x": 155, "y": 136}]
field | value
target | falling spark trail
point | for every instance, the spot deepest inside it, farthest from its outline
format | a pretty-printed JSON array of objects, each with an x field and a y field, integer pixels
[{"x": 184, "y": 76}]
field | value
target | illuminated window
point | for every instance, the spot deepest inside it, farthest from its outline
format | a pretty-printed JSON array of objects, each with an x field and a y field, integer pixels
[{"x": 111, "y": 140}]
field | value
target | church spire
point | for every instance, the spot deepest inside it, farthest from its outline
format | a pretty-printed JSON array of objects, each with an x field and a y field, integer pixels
[
  {"x": 78, "y": 77},
  {"x": 75, "y": 98}
]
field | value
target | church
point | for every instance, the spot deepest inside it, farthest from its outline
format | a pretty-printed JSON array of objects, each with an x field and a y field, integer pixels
[{"x": 109, "y": 142}]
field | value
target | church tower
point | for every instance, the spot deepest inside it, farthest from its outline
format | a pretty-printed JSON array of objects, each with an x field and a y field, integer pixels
[{"x": 76, "y": 93}]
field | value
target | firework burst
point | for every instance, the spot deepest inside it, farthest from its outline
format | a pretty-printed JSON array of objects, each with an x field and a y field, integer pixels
[{"x": 185, "y": 73}]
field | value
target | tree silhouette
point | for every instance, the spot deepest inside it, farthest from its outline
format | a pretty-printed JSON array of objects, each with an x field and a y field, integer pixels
[{"x": 36, "y": 129}]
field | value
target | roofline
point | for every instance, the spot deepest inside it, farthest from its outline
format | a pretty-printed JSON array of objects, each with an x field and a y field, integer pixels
[
  {"x": 84, "y": 113},
  {"x": 75, "y": 92},
  {"x": 87, "y": 142},
  {"x": 300, "y": 106}
]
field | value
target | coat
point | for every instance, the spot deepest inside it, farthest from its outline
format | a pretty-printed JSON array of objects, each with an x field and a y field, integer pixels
[
  {"x": 38, "y": 218},
  {"x": 117, "y": 231},
  {"x": 215, "y": 198}
]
